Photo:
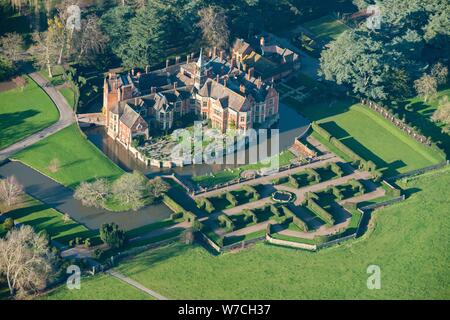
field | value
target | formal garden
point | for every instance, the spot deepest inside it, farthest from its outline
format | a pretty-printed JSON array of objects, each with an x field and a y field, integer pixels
[{"x": 327, "y": 274}]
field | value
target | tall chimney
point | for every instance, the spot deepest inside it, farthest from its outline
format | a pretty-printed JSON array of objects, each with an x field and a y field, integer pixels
[
  {"x": 258, "y": 83},
  {"x": 132, "y": 72},
  {"x": 221, "y": 55},
  {"x": 167, "y": 63},
  {"x": 175, "y": 85},
  {"x": 250, "y": 72},
  {"x": 217, "y": 78},
  {"x": 244, "y": 67},
  {"x": 152, "y": 90},
  {"x": 187, "y": 59},
  {"x": 262, "y": 41},
  {"x": 214, "y": 52},
  {"x": 242, "y": 88},
  {"x": 225, "y": 79},
  {"x": 147, "y": 68},
  {"x": 177, "y": 59}
]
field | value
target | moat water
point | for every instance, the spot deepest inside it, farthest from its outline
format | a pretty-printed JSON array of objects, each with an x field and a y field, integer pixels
[{"x": 290, "y": 125}]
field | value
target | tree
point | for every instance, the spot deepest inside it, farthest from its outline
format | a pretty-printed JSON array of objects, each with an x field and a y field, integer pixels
[
  {"x": 90, "y": 40},
  {"x": 112, "y": 235},
  {"x": 440, "y": 73},
  {"x": 20, "y": 82},
  {"x": 54, "y": 165},
  {"x": 426, "y": 86},
  {"x": 93, "y": 194},
  {"x": 25, "y": 261},
  {"x": 156, "y": 188},
  {"x": 8, "y": 224},
  {"x": 442, "y": 114},
  {"x": 213, "y": 23},
  {"x": 12, "y": 46},
  {"x": 45, "y": 50},
  {"x": 10, "y": 190},
  {"x": 129, "y": 189}
]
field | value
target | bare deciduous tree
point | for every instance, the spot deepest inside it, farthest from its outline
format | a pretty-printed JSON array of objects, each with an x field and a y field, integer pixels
[
  {"x": 440, "y": 73},
  {"x": 442, "y": 114},
  {"x": 129, "y": 189},
  {"x": 44, "y": 51},
  {"x": 90, "y": 41},
  {"x": 426, "y": 87},
  {"x": 213, "y": 23},
  {"x": 25, "y": 261},
  {"x": 10, "y": 190},
  {"x": 12, "y": 46},
  {"x": 92, "y": 194},
  {"x": 20, "y": 82}
]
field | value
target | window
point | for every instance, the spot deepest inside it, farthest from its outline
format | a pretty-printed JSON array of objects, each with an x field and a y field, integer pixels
[
  {"x": 205, "y": 104},
  {"x": 242, "y": 119},
  {"x": 217, "y": 112}
]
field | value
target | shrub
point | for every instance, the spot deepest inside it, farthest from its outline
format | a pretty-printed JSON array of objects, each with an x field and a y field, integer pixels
[
  {"x": 200, "y": 202},
  {"x": 250, "y": 215},
  {"x": 190, "y": 217},
  {"x": 225, "y": 222},
  {"x": 275, "y": 210},
  {"x": 8, "y": 224},
  {"x": 251, "y": 191},
  {"x": 280, "y": 180},
  {"x": 112, "y": 235},
  {"x": 337, "y": 193},
  {"x": 87, "y": 243},
  {"x": 71, "y": 243},
  {"x": 78, "y": 241},
  {"x": 172, "y": 204},
  {"x": 312, "y": 175},
  {"x": 98, "y": 253}
]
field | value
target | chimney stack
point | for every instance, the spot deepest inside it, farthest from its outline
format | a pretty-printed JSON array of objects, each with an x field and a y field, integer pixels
[
  {"x": 152, "y": 90},
  {"x": 132, "y": 72},
  {"x": 242, "y": 88},
  {"x": 187, "y": 59},
  {"x": 214, "y": 52},
  {"x": 244, "y": 67},
  {"x": 258, "y": 83},
  {"x": 167, "y": 63},
  {"x": 262, "y": 41},
  {"x": 250, "y": 73},
  {"x": 175, "y": 85},
  {"x": 225, "y": 79},
  {"x": 217, "y": 78},
  {"x": 177, "y": 59},
  {"x": 221, "y": 55},
  {"x": 147, "y": 68}
]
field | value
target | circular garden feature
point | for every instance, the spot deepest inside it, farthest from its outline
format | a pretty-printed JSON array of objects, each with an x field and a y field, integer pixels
[{"x": 282, "y": 196}]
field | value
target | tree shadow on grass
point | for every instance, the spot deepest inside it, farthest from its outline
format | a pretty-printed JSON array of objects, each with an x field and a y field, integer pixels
[
  {"x": 144, "y": 261},
  {"x": 10, "y": 122}
]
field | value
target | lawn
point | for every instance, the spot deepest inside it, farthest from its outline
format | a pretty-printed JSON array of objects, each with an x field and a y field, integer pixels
[
  {"x": 101, "y": 287},
  {"x": 371, "y": 136},
  {"x": 23, "y": 113},
  {"x": 208, "y": 180},
  {"x": 79, "y": 159},
  {"x": 326, "y": 28},
  {"x": 69, "y": 95},
  {"x": 410, "y": 243},
  {"x": 42, "y": 217}
]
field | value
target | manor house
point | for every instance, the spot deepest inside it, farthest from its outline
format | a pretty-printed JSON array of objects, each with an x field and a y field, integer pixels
[{"x": 222, "y": 90}]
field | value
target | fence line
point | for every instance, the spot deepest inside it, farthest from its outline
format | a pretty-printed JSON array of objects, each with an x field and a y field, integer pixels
[{"x": 419, "y": 171}]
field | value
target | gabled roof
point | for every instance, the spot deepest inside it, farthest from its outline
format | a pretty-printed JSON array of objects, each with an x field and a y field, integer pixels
[
  {"x": 129, "y": 116},
  {"x": 218, "y": 91}
]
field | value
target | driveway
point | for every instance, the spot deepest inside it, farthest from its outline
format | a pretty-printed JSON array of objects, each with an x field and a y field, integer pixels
[{"x": 66, "y": 118}]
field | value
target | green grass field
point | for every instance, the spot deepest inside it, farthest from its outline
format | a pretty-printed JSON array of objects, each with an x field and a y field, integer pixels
[
  {"x": 69, "y": 95},
  {"x": 23, "y": 113},
  {"x": 326, "y": 27},
  {"x": 79, "y": 159},
  {"x": 371, "y": 136},
  {"x": 410, "y": 243},
  {"x": 101, "y": 287},
  {"x": 42, "y": 217}
]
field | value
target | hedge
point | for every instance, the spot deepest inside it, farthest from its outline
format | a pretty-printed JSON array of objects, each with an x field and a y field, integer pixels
[
  {"x": 226, "y": 222},
  {"x": 312, "y": 175},
  {"x": 293, "y": 182},
  {"x": 231, "y": 199},
  {"x": 276, "y": 211},
  {"x": 321, "y": 131},
  {"x": 251, "y": 190},
  {"x": 172, "y": 204},
  {"x": 296, "y": 220},
  {"x": 337, "y": 193},
  {"x": 321, "y": 212},
  {"x": 336, "y": 169},
  {"x": 280, "y": 180},
  {"x": 391, "y": 191},
  {"x": 249, "y": 214},
  {"x": 176, "y": 215}
]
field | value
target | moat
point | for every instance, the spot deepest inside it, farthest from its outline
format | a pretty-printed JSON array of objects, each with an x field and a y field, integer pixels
[{"x": 291, "y": 125}]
